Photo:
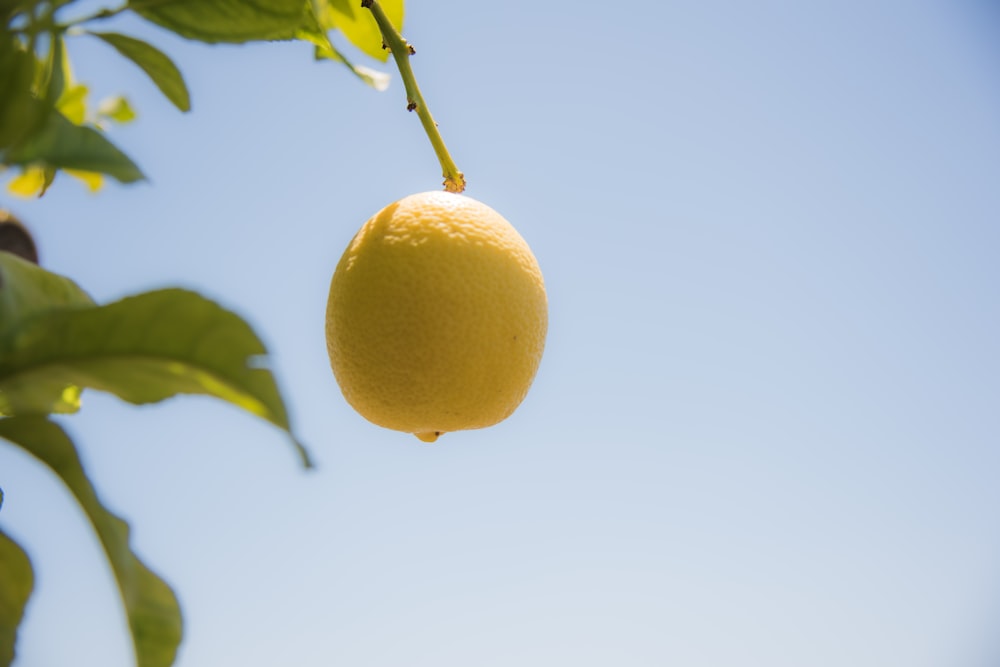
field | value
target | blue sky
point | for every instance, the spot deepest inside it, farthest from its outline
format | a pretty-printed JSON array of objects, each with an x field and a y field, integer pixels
[{"x": 765, "y": 430}]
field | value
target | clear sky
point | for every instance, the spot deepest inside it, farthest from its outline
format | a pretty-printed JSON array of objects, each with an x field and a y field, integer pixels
[{"x": 766, "y": 429}]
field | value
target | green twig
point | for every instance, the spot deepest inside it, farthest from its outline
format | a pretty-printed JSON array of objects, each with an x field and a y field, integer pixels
[
  {"x": 97, "y": 16},
  {"x": 454, "y": 180}
]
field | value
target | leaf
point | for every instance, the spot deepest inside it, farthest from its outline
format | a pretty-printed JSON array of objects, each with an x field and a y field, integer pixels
[
  {"x": 323, "y": 49},
  {"x": 35, "y": 181},
  {"x": 73, "y": 103},
  {"x": 374, "y": 78},
  {"x": 63, "y": 145},
  {"x": 69, "y": 97},
  {"x": 358, "y": 25},
  {"x": 57, "y": 70},
  {"x": 143, "y": 349},
  {"x": 91, "y": 179},
  {"x": 116, "y": 109},
  {"x": 154, "y": 615},
  {"x": 234, "y": 21},
  {"x": 160, "y": 68},
  {"x": 28, "y": 291},
  {"x": 20, "y": 111},
  {"x": 29, "y": 183},
  {"x": 16, "y": 583}
]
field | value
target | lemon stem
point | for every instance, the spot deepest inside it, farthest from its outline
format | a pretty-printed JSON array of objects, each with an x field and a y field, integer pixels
[{"x": 454, "y": 180}]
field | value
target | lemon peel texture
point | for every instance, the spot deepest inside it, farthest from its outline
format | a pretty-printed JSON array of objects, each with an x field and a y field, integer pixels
[{"x": 436, "y": 317}]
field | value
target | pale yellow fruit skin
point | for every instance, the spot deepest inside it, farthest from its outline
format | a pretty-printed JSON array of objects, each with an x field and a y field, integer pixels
[{"x": 437, "y": 316}]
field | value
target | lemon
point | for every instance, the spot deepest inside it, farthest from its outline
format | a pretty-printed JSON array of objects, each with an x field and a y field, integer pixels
[{"x": 437, "y": 316}]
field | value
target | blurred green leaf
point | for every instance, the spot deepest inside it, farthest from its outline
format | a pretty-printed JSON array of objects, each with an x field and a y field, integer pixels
[
  {"x": 154, "y": 616},
  {"x": 91, "y": 179},
  {"x": 63, "y": 145},
  {"x": 117, "y": 109},
  {"x": 160, "y": 68},
  {"x": 32, "y": 182},
  {"x": 20, "y": 111},
  {"x": 313, "y": 32},
  {"x": 73, "y": 103},
  {"x": 143, "y": 349},
  {"x": 358, "y": 25},
  {"x": 16, "y": 583},
  {"x": 323, "y": 49},
  {"x": 28, "y": 291},
  {"x": 35, "y": 181},
  {"x": 57, "y": 70},
  {"x": 234, "y": 21}
]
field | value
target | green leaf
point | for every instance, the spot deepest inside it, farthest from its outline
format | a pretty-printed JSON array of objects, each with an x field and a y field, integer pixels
[
  {"x": 117, "y": 109},
  {"x": 27, "y": 291},
  {"x": 68, "y": 96},
  {"x": 32, "y": 182},
  {"x": 143, "y": 349},
  {"x": 63, "y": 145},
  {"x": 358, "y": 25},
  {"x": 20, "y": 111},
  {"x": 57, "y": 70},
  {"x": 154, "y": 63},
  {"x": 154, "y": 615},
  {"x": 91, "y": 179},
  {"x": 323, "y": 49},
  {"x": 16, "y": 582},
  {"x": 234, "y": 21},
  {"x": 316, "y": 34},
  {"x": 73, "y": 103}
]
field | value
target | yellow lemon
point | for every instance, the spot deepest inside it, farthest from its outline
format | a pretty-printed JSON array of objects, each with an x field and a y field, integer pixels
[{"x": 437, "y": 316}]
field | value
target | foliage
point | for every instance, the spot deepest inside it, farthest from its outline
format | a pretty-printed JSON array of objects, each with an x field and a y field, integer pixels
[
  {"x": 151, "y": 607},
  {"x": 16, "y": 582},
  {"x": 55, "y": 342}
]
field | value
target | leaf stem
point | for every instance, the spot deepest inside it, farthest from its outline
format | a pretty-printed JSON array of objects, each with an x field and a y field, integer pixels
[
  {"x": 98, "y": 16},
  {"x": 454, "y": 180}
]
